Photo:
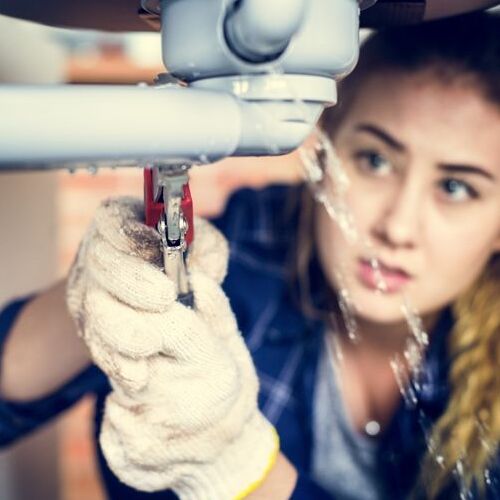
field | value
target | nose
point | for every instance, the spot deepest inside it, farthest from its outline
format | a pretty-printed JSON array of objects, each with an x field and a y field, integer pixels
[{"x": 398, "y": 226}]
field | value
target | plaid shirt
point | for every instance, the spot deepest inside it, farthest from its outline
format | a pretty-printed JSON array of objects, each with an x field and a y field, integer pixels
[{"x": 285, "y": 347}]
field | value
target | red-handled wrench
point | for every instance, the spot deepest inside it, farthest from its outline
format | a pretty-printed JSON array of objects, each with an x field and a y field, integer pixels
[{"x": 168, "y": 207}]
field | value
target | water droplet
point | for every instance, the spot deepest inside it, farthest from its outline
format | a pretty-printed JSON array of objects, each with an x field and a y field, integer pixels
[
  {"x": 92, "y": 169},
  {"x": 323, "y": 160},
  {"x": 459, "y": 473},
  {"x": 379, "y": 278},
  {"x": 336, "y": 350},
  {"x": 348, "y": 314},
  {"x": 405, "y": 388},
  {"x": 331, "y": 163},
  {"x": 487, "y": 477},
  {"x": 413, "y": 356},
  {"x": 312, "y": 170},
  {"x": 415, "y": 323}
]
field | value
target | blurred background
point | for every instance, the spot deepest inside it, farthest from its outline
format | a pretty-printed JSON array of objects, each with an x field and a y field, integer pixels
[{"x": 43, "y": 216}]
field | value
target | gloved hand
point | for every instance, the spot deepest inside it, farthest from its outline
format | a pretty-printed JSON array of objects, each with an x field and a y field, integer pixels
[{"x": 183, "y": 411}]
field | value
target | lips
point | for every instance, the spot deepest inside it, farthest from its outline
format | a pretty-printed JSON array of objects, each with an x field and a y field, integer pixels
[{"x": 383, "y": 277}]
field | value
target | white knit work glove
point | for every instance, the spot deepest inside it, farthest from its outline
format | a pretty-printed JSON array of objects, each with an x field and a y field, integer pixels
[{"x": 183, "y": 411}]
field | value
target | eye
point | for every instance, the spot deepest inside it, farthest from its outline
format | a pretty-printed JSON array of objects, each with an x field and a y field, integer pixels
[
  {"x": 373, "y": 163},
  {"x": 456, "y": 190}
]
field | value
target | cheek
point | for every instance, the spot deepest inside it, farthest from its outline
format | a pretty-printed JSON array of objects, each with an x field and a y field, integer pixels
[
  {"x": 459, "y": 257},
  {"x": 363, "y": 207},
  {"x": 456, "y": 250}
]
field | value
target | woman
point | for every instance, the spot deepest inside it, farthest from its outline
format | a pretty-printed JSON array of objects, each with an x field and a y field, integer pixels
[{"x": 416, "y": 133}]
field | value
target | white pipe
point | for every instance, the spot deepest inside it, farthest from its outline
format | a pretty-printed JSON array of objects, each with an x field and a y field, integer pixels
[
  {"x": 274, "y": 128},
  {"x": 261, "y": 29},
  {"x": 57, "y": 126},
  {"x": 53, "y": 124}
]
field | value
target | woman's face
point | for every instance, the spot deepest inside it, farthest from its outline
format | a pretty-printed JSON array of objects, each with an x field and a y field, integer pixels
[{"x": 423, "y": 159}]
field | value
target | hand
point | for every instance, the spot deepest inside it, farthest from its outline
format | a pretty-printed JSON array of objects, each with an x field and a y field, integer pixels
[{"x": 183, "y": 411}]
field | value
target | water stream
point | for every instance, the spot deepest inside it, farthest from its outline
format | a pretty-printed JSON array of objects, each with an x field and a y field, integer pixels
[{"x": 319, "y": 164}]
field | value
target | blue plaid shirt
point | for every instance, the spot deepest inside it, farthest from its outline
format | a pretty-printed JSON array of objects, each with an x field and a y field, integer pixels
[{"x": 285, "y": 346}]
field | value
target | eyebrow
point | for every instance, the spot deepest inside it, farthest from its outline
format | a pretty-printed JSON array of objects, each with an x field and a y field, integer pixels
[
  {"x": 382, "y": 135},
  {"x": 467, "y": 169}
]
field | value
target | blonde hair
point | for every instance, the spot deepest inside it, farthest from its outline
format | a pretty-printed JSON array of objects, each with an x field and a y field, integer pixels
[{"x": 468, "y": 432}]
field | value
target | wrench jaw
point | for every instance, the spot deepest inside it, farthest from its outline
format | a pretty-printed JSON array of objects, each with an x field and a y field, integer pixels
[{"x": 168, "y": 207}]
